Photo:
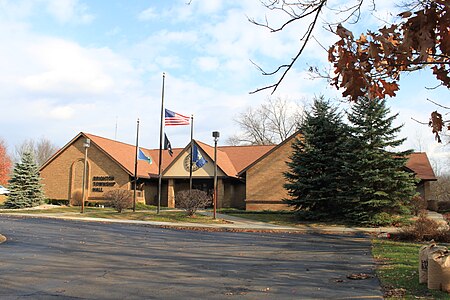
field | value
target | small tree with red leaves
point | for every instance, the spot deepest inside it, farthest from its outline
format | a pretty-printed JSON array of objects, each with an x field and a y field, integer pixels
[{"x": 5, "y": 164}]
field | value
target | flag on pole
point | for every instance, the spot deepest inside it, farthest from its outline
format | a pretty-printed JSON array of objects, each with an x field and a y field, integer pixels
[
  {"x": 142, "y": 156},
  {"x": 197, "y": 158},
  {"x": 173, "y": 119},
  {"x": 167, "y": 145}
]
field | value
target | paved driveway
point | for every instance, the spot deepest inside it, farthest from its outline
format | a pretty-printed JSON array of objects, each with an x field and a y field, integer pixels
[{"x": 58, "y": 259}]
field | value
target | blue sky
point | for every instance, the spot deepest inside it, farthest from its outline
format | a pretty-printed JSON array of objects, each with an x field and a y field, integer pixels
[{"x": 71, "y": 65}]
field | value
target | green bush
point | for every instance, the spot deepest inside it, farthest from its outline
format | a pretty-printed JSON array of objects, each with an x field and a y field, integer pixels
[{"x": 382, "y": 219}]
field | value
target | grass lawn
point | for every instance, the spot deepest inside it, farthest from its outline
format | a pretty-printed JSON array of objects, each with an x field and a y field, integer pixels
[
  {"x": 109, "y": 213},
  {"x": 398, "y": 271}
]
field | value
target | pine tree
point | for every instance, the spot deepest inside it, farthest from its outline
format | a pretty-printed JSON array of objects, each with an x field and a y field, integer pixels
[
  {"x": 317, "y": 177},
  {"x": 24, "y": 185},
  {"x": 383, "y": 185}
]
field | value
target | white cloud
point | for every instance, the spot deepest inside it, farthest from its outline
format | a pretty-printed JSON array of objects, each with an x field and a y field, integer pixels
[
  {"x": 69, "y": 11},
  {"x": 15, "y": 10},
  {"x": 208, "y": 7},
  {"x": 146, "y": 15},
  {"x": 169, "y": 62},
  {"x": 61, "y": 112},
  {"x": 208, "y": 63},
  {"x": 64, "y": 67},
  {"x": 64, "y": 11},
  {"x": 59, "y": 87}
]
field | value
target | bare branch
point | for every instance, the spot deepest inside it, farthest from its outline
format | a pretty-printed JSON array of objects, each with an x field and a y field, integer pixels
[
  {"x": 264, "y": 72},
  {"x": 440, "y": 105},
  {"x": 423, "y": 123},
  {"x": 434, "y": 87},
  {"x": 305, "y": 42}
]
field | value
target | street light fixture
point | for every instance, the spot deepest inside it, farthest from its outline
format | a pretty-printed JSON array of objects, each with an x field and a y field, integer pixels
[
  {"x": 86, "y": 145},
  {"x": 215, "y": 135}
]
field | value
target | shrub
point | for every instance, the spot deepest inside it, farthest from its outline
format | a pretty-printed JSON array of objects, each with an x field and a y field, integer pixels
[
  {"x": 443, "y": 206},
  {"x": 119, "y": 199},
  {"x": 191, "y": 201},
  {"x": 424, "y": 229},
  {"x": 418, "y": 204},
  {"x": 77, "y": 196},
  {"x": 60, "y": 202},
  {"x": 382, "y": 219}
]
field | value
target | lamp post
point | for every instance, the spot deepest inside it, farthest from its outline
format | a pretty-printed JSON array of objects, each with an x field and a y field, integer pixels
[
  {"x": 215, "y": 135},
  {"x": 86, "y": 145}
]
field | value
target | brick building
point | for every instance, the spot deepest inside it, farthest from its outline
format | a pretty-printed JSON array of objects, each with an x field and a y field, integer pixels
[{"x": 249, "y": 177}]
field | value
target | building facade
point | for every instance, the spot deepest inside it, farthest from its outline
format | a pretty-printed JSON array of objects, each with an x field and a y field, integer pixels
[
  {"x": 111, "y": 165},
  {"x": 249, "y": 177}
]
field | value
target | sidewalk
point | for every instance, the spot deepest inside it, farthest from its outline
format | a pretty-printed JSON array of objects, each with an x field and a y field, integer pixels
[
  {"x": 233, "y": 223},
  {"x": 437, "y": 217}
]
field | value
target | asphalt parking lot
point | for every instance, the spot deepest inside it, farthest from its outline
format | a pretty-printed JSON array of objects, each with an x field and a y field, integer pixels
[{"x": 61, "y": 259}]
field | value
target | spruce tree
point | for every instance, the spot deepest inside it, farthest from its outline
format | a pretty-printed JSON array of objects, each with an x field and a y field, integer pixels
[
  {"x": 380, "y": 179},
  {"x": 25, "y": 186},
  {"x": 317, "y": 176}
]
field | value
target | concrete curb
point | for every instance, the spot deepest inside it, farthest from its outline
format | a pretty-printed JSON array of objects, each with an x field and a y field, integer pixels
[
  {"x": 166, "y": 225},
  {"x": 256, "y": 227}
]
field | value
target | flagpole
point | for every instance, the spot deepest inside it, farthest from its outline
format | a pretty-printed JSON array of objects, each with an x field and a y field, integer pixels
[
  {"x": 136, "y": 165},
  {"x": 192, "y": 152},
  {"x": 160, "y": 146}
]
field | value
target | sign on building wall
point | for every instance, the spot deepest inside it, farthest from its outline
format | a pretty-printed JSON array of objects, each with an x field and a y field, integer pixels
[{"x": 99, "y": 182}]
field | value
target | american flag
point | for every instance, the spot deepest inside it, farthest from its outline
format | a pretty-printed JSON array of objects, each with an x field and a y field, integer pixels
[{"x": 172, "y": 119}]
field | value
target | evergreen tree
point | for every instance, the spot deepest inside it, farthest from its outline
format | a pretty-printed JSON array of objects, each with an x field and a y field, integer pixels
[
  {"x": 317, "y": 180},
  {"x": 383, "y": 185},
  {"x": 24, "y": 185}
]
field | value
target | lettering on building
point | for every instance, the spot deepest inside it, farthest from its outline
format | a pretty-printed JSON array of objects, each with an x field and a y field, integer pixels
[{"x": 98, "y": 182}]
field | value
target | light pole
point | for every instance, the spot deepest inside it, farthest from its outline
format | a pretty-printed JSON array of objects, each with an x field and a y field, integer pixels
[
  {"x": 86, "y": 145},
  {"x": 215, "y": 135}
]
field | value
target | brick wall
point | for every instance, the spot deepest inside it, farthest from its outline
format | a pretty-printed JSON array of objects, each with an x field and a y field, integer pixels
[
  {"x": 63, "y": 175},
  {"x": 265, "y": 180}
]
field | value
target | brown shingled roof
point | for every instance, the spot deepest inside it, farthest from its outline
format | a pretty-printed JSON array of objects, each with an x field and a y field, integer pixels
[
  {"x": 243, "y": 156},
  {"x": 418, "y": 162},
  {"x": 124, "y": 154},
  {"x": 223, "y": 161},
  {"x": 232, "y": 160}
]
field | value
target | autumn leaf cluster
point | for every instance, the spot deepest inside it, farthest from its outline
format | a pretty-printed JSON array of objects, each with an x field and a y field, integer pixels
[{"x": 371, "y": 65}]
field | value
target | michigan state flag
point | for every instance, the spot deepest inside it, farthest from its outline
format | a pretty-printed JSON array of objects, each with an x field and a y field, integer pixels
[
  {"x": 197, "y": 158},
  {"x": 142, "y": 156}
]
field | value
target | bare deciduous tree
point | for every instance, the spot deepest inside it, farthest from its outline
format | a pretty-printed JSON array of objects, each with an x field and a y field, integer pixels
[
  {"x": 440, "y": 189},
  {"x": 268, "y": 124},
  {"x": 42, "y": 150}
]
